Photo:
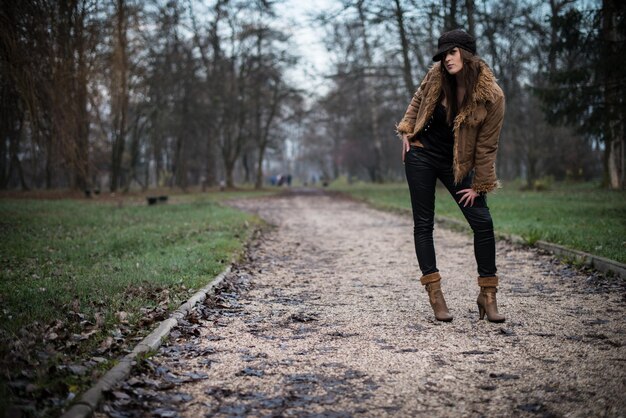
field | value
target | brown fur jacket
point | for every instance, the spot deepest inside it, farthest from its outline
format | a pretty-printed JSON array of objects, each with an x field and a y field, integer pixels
[{"x": 476, "y": 127}]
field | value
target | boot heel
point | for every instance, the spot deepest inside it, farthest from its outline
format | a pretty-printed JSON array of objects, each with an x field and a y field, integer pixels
[
  {"x": 432, "y": 283},
  {"x": 486, "y": 301},
  {"x": 481, "y": 311}
]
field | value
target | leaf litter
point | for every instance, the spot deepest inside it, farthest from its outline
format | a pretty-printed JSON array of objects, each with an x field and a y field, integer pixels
[{"x": 46, "y": 365}]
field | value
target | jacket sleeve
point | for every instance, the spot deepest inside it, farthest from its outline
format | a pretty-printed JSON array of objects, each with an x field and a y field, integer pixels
[
  {"x": 485, "y": 179},
  {"x": 407, "y": 124}
]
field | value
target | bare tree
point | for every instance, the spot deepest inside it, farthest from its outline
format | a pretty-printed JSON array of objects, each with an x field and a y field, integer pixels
[
  {"x": 187, "y": 91},
  {"x": 613, "y": 41},
  {"x": 119, "y": 91},
  {"x": 404, "y": 43}
]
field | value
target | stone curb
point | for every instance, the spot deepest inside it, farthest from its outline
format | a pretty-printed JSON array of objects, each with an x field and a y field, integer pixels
[
  {"x": 603, "y": 265},
  {"x": 88, "y": 402}
]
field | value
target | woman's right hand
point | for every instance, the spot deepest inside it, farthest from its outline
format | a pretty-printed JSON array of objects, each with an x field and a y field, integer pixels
[{"x": 406, "y": 146}]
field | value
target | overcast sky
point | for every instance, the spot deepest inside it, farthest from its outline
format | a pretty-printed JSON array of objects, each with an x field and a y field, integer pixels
[{"x": 307, "y": 38}]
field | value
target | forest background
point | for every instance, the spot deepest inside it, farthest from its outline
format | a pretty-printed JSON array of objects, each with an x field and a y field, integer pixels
[{"x": 127, "y": 94}]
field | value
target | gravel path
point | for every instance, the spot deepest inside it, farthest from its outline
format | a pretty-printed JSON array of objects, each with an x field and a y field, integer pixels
[{"x": 327, "y": 318}]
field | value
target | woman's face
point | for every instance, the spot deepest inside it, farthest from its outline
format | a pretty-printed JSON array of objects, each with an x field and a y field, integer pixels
[{"x": 453, "y": 61}]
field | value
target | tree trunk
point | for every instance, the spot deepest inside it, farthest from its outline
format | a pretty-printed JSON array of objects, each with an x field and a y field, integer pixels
[
  {"x": 180, "y": 171},
  {"x": 615, "y": 150},
  {"x": 15, "y": 162},
  {"x": 48, "y": 168},
  {"x": 14, "y": 150},
  {"x": 134, "y": 154},
  {"x": 229, "y": 167},
  {"x": 450, "y": 19},
  {"x": 258, "y": 184},
  {"x": 82, "y": 120},
  {"x": 471, "y": 24},
  {"x": 119, "y": 88},
  {"x": 531, "y": 174},
  {"x": 246, "y": 168},
  {"x": 184, "y": 129},
  {"x": 210, "y": 161},
  {"x": 212, "y": 68},
  {"x": 11, "y": 128},
  {"x": 371, "y": 99},
  {"x": 613, "y": 97},
  {"x": 180, "y": 160},
  {"x": 229, "y": 150},
  {"x": 5, "y": 132},
  {"x": 408, "y": 77}
]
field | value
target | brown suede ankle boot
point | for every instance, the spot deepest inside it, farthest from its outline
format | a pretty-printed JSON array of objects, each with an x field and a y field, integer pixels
[
  {"x": 432, "y": 282},
  {"x": 487, "y": 299}
]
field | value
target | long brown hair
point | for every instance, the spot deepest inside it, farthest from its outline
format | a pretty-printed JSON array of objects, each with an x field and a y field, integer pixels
[{"x": 470, "y": 72}]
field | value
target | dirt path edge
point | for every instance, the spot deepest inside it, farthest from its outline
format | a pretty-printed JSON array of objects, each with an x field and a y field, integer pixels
[{"x": 88, "y": 402}]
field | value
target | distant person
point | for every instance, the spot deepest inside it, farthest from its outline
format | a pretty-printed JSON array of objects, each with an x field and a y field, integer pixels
[{"x": 450, "y": 132}]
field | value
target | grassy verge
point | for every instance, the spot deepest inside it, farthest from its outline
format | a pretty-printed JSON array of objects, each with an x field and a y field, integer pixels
[
  {"x": 82, "y": 280},
  {"x": 578, "y": 216}
]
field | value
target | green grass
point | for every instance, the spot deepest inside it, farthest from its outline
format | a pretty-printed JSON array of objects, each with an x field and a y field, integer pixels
[
  {"x": 578, "y": 216},
  {"x": 98, "y": 259}
]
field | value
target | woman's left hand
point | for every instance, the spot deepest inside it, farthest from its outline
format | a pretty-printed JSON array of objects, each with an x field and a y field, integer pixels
[{"x": 468, "y": 195}]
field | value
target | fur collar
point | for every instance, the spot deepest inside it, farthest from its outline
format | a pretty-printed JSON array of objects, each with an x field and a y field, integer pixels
[{"x": 486, "y": 90}]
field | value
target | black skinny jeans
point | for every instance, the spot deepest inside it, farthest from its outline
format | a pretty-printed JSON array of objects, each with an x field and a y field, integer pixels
[{"x": 423, "y": 168}]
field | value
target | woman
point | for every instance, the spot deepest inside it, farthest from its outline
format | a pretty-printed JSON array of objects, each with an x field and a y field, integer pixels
[{"x": 450, "y": 132}]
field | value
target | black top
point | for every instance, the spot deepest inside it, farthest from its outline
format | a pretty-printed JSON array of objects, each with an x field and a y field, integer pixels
[{"x": 437, "y": 136}]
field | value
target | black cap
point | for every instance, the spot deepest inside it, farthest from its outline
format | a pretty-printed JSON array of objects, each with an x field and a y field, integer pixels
[{"x": 454, "y": 38}]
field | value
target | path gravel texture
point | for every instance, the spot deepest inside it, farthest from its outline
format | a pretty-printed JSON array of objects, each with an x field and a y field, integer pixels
[{"x": 327, "y": 318}]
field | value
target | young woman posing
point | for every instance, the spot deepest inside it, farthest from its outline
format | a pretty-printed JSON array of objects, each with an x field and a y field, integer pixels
[{"x": 450, "y": 132}]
